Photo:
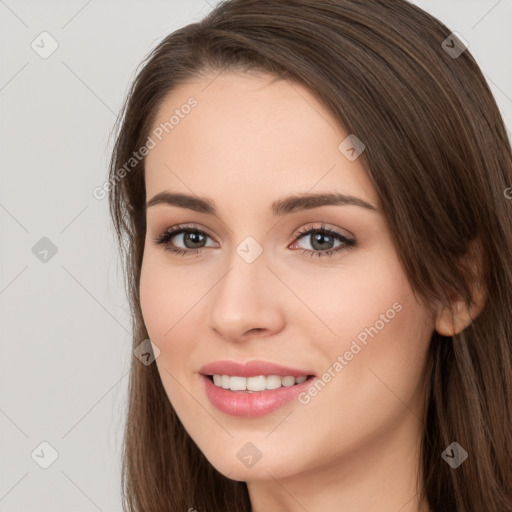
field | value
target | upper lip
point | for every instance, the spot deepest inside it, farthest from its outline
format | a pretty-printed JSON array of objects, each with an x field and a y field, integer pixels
[{"x": 250, "y": 369}]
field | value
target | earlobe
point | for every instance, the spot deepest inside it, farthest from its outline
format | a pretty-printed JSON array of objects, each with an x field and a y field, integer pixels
[{"x": 452, "y": 320}]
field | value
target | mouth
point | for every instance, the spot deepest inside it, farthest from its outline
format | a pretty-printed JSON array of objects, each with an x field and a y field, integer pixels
[
  {"x": 252, "y": 388},
  {"x": 256, "y": 384},
  {"x": 253, "y": 396}
]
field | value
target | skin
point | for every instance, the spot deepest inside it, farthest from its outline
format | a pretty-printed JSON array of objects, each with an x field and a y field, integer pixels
[{"x": 355, "y": 445}]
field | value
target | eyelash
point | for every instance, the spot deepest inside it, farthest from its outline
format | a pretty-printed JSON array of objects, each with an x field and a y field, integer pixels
[{"x": 166, "y": 236}]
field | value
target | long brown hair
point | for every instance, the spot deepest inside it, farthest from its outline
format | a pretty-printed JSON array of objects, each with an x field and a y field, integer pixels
[{"x": 438, "y": 155}]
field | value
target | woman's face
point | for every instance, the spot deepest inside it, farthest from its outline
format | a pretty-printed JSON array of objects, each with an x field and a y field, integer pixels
[{"x": 259, "y": 284}]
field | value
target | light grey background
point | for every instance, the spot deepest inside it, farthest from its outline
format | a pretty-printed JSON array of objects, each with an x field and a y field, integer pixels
[{"x": 65, "y": 346}]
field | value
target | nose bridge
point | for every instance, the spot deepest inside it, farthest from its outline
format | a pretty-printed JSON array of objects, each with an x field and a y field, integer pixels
[{"x": 245, "y": 297}]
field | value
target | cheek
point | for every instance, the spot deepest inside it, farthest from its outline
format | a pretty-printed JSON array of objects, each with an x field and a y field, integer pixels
[
  {"x": 164, "y": 306},
  {"x": 156, "y": 304},
  {"x": 351, "y": 298},
  {"x": 165, "y": 295},
  {"x": 384, "y": 352},
  {"x": 381, "y": 331},
  {"x": 170, "y": 303}
]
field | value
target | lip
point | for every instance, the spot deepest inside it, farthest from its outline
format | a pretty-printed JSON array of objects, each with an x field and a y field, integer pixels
[
  {"x": 254, "y": 404},
  {"x": 251, "y": 405},
  {"x": 251, "y": 369}
]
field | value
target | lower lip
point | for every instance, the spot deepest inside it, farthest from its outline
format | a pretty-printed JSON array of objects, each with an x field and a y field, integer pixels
[{"x": 251, "y": 405}]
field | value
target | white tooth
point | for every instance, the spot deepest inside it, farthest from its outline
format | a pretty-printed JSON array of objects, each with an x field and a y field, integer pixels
[
  {"x": 225, "y": 381},
  {"x": 288, "y": 381},
  {"x": 259, "y": 383},
  {"x": 256, "y": 383},
  {"x": 237, "y": 383},
  {"x": 273, "y": 382}
]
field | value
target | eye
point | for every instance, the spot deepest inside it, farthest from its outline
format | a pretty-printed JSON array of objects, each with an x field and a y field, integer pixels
[
  {"x": 191, "y": 237},
  {"x": 321, "y": 240}
]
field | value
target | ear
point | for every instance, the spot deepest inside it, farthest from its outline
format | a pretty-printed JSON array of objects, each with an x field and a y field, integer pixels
[{"x": 453, "y": 319}]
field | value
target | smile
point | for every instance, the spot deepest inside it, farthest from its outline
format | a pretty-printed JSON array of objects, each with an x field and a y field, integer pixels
[
  {"x": 252, "y": 403},
  {"x": 254, "y": 384},
  {"x": 254, "y": 388}
]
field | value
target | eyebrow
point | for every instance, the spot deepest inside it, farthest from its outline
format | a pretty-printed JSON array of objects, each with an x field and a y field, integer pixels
[{"x": 280, "y": 207}]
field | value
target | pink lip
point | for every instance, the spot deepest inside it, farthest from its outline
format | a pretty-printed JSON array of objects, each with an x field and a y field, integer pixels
[
  {"x": 250, "y": 405},
  {"x": 250, "y": 369},
  {"x": 243, "y": 403}
]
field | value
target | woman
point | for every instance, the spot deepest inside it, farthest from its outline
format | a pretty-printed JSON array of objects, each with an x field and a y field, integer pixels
[{"x": 376, "y": 376}]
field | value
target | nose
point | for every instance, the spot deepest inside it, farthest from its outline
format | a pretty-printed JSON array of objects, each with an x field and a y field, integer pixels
[{"x": 247, "y": 302}]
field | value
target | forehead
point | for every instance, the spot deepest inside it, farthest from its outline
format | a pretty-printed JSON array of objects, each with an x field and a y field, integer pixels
[{"x": 253, "y": 131}]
